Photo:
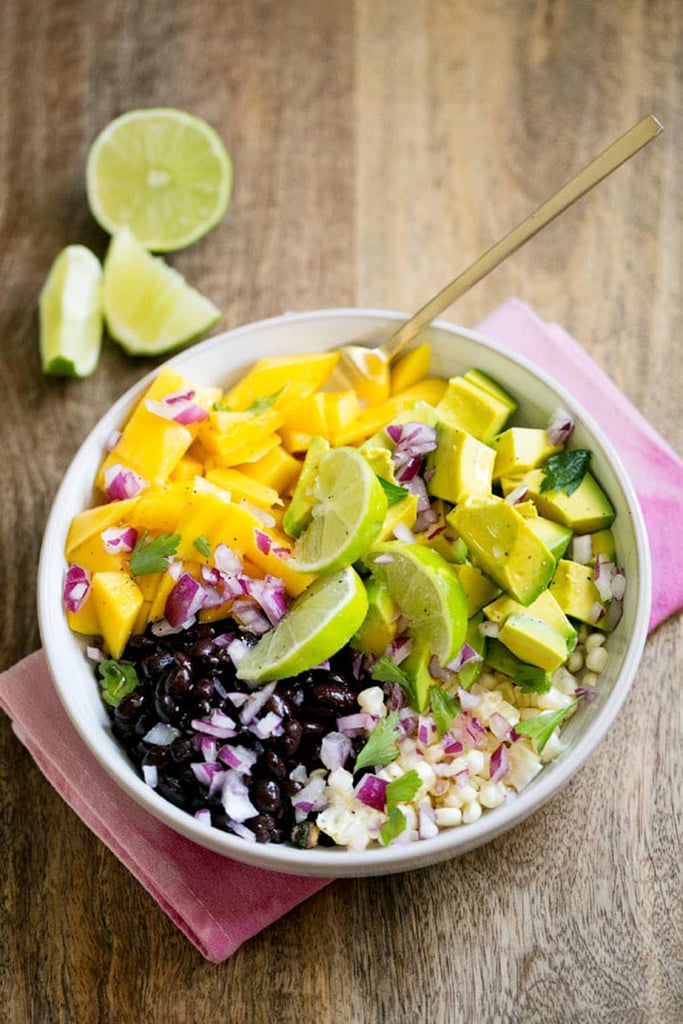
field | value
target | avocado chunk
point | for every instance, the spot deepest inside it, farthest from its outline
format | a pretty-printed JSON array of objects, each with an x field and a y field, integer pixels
[
  {"x": 545, "y": 607},
  {"x": 520, "y": 449},
  {"x": 527, "y": 677},
  {"x": 469, "y": 673},
  {"x": 298, "y": 513},
  {"x": 416, "y": 666},
  {"x": 534, "y": 641},
  {"x": 460, "y": 465},
  {"x": 477, "y": 411},
  {"x": 503, "y": 546},
  {"x": 402, "y": 512},
  {"x": 492, "y": 387},
  {"x": 441, "y": 536},
  {"x": 479, "y": 589},
  {"x": 586, "y": 510},
  {"x": 602, "y": 543},
  {"x": 378, "y": 628},
  {"x": 573, "y": 587},
  {"x": 555, "y": 536}
]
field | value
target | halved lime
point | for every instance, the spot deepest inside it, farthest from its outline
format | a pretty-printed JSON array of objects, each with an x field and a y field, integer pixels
[
  {"x": 322, "y": 619},
  {"x": 427, "y": 590},
  {"x": 149, "y": 307},
  {"x": 161, "y": 172},
  {"x": 347, "y": 516},
  {"x": 70, "y": 311}
]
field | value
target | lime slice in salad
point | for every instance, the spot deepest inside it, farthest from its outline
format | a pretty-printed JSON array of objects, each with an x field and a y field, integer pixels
[
  {"x": 149, "y": 307},
  {"x": 70, "y": 312},
  {"x": 161, "y": 172},
  {"x": 428, "y": 592},
  {"x": 318, "y": 624},
  {"x": 347, "y": 514}
]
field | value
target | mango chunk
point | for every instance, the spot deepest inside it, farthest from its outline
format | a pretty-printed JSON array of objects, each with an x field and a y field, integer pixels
[
  {"x": 96, "y": 520},
  {"x": 303, "y": 375},
  {"x": 117, "y": 599},
  {"x": 91, "y": 554},
  {"x": 410, "y": 368},
  {"x": 374, "y": 418},
  {"x": 85, "y": 620},
  {"x": 243, "y": 487},
  {"x": 277, "y": 469}
]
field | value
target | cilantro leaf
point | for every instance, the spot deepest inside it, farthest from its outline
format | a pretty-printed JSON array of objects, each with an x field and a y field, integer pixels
[
  {"x": 381, "y": 745},
  {"x": 152, "y": 556},
  {"x": 220, "y": 407},
  {"x": 265, "y": 402},
  {"x": 444, "y": 708},
  {"x": 541, "y": 728},
  {"x": 394, "y": 492},
  {"x": 531, "y": 679},
  {"x": 203, "y": 545},
  {"x": 387, "y": 671},
  {"x": 395, "y": 824},
  {"x": 117, "y": 679},
  {"x": 403, "y": 789},
  {"x": 564, "y": 472}
]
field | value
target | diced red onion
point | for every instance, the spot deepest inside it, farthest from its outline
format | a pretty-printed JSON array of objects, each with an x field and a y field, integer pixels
[
  {"x": 163, "y": 628},
  {"x": 619, "y": 585},
  {"x": 357, "y": 723},
  {"x": 383, "y": 560},
  {"x": 435, "y": 532},
  {"x": 560, "y": 426},
  {"x": 209, "y": 747},
  {"x": 185, "y": 600},
  {"x": 206, "y": 772},
  {"x": 161, "y": 735},
  {"x": 236, "y": 651},
  {"x": 178, "y": 409},
  {"x": 589, "y": 693},
  {"x": 121, "y": 482},
  {"x": 596, "y": 613},
  {"x": 428, "y": 474},
  {"x": 499, "y": 764},
  {"x": 451, "y": 744},
  {"x": 397, "y": 696},
  {"x": 281, "y": 552},
  {"x": 468, "y": 730},
  {"x": 424, "y": 520},
  {"x": 404, "y": 534},
  {"x": 226, "y": 560},
  {"x": 256, "y": 701},
  {"x": 490, "y": 629},
  {"x": 223, "y": 730},
  {"x": 582, "y": 549},
  {"x": 399, "y": 649},
  {"x": 258, "y": 513},
  {"x": 311, "y": 797},
  {"x": 517, "y": 494},
  {"x": 427, "y": 827},
  {"x": 237, "y": 698},
  {"x": 417, "y": 487},
  {"x": 242, "y": 831},
  {"x": 268, "y": 726},
  {"x": 263, "y": 541},
  {"x": 241, "y": 759},
  {"x": 250, "y": 616},
  {"x": 76, "y": 587},
  {"x": 150, "y": 774},
  {"x": 465, "y": 655},
  {"x": 437, "y": 670},
  {"x": 334, "y": 750},
  {"x": 112, "y": 440},
  {"x": 119, "y": 539},
  {"x": 235, "y": 798},
  {"x": 203, "y": 815},
  {"x": 615, "y": 610},
  {"x": 371, "y": 791},
  {"x": 468, "y": 701},
  {"x": 94, "y": 654},
  {"x": 357, "y": 665},
  {"x": 270, "y": 595},
  {"x": 394, "y": 431},
  {"x": 499, "y": 726},
  {"x": 179, "y": 397},
  {"x": 299, "y": 774},
  {"x": 462, "y": 778},
  {"x": 426, "y": 729},
  {"x": 407, "y": 720},
  {"x": 175, "y": 569},
  {"x": 408, "y": 470}
]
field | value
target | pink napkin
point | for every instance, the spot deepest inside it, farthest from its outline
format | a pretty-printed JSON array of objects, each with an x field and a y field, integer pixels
[{"x": 219, "y": 903}]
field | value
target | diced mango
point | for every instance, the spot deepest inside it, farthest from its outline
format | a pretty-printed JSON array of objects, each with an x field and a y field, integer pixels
[
  {"x": 402, "y": 513},
  {"x": 117, "y": 599},
  {"x": 308, "y": 416},
  {"x": 304, "y": 374},
  {"x": 96, "y": 520},
  {"x": 159, "y": 508},
  {"x": 244, "y": 487},
  {"x": 374, "y": 418},
  {"x": 157, "y": 608},
  {"x": 187, "y": 469},
  {"x": 233, "y": 436},
  {"x": 85, "y": 620},
  {"x": 278, "y": 469},
  {"x": 341, "y": 409},
  {"x": 91, "y": 554},
  {"x": 296, "y": 441},
  {"x": 410, "y": 368}
]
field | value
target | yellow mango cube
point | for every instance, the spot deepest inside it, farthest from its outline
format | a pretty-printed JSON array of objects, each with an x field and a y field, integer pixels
[
  {"x": 95, "y": 520},
  {"x": 85, "y": 620},
  {"x": 278, "y": 469},
  {"x": 91, "y": 554},
  {"x": 302, "y": 375},
  {"x": 410, "y": 368},
  {"x": 117, "y": 600},
  {"x": 243, "y": 487},
  {"x": 187, "y": 469},
  {"x": 341, "y": 409},
  {"x": 308, "y": 417},
  {"x": 160, "y": 508},
  {"x": 372, "y": 419}
]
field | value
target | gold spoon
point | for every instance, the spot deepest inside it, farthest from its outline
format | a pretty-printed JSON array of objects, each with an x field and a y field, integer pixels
[{"x": 367, "y": 369}]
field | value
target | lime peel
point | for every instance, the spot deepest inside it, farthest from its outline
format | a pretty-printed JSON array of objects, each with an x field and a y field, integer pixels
[{"x": 70, "y": 311}]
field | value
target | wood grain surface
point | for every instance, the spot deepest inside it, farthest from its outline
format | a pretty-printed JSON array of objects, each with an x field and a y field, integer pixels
[{"x": 379, "y": 146}]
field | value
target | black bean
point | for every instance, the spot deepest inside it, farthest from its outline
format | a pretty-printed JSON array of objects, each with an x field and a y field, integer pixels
[
  {"x": 275, "y": 764},
  {"x": 265, "y": 795},
  {"x": 289, "y": 742}
]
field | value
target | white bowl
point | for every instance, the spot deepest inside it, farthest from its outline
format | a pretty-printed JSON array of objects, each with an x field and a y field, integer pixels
[{"x": 221, "y": 360}]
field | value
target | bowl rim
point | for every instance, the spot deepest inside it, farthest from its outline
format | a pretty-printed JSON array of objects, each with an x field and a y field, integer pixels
[{"x": 333, "y": 862}]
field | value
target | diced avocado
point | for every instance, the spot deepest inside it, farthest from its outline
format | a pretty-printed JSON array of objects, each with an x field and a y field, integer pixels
[
  {"x": 534, "y": 641},
  {"x": 378, "y": 628},
  {"x": 532, "y": 679},
  {"x": 298, "y": 513},
  {"x": 460, "y": 466},
  {"x": 527, "y": 509},
  {"x": 419, "y": 412},
  {"x": 479, "y": 589},
  {"x": 500, "y": 659},
  {"x": 520, "y": 449},
  {"x": 492, "y": 387},
  {"x": 555, "y": 536},
  {"x": 586, "y": 510},
  {"x": 528, "y": 677},
  {"x": 469, "y": 673},
  {"x": 402, "y": 512},
  {"x": 416, "y": 665},
  {"x": 469, "y": 407},
  {"x": 380, "y": 462},
  {"x": 545, "y": 607},
  {"x": 573, "y": 587},
  {"x": 602, "y": 543},
  {"x": 502, "y": 544},
  {"x": 441, "y": 536}
]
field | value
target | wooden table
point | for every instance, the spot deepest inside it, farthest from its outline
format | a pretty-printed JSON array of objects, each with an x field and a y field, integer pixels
[{"x": 378, "y": 147}]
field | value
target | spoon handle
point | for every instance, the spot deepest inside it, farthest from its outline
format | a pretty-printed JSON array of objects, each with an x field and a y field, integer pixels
[{"x": 616, "y": 154}]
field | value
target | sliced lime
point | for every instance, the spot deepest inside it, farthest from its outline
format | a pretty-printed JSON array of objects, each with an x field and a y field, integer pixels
[
  {"x": 322, "y": 619},
  {"x": 161, "y": 172},
  {"x": 428, "y": 591},
  {"x": 149, "y": 307},
  {"x": 299, "y": 510},
  {"x": 71, "y": 314},
  {"x": 347, "y": 516}
]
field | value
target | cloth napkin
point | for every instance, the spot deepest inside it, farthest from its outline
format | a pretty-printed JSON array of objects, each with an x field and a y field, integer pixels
[{"x": 219, "y": 903}]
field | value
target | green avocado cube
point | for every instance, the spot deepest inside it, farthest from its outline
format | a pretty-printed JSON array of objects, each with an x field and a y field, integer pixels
[
  {"x": 472, "y": 409},
  {"x": 460, "y": 466},
  {"x": 555, "y": 536},
  {"x": 479, "y": 589},
  {"x": 545, "y": 607},
  {"x": 378, "y": 628},
  {"x": 534, "y": 641},
  {"x": 573, "y": 587},
  {"x": 504, "y": 547},
  {"x": 586, "y": 510},
  {"x": 469, "y": 673},
  {"x": 299, "y": 511},
  {"x": 492, "y": 387},
  {"x": 520, "y": 449}
]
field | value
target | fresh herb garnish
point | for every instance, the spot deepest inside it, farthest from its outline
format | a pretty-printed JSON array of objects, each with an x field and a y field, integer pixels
[
  {"x": 564, "y": 472},
  {"x": 531, "y": 679},
  {"x": 117, "y": 679},
  {"x": 387, "y": 671},
  {"x": 541, "y": 728},
  {"x": 266, "y": 402},
  {"x": 394, "y": 492},
  {"x": 395, "y": 824},
  {"x": 203, "y": 545},
  {"x": 403, "y": 789},
  {"x": 381, "y": 745},
  {"x": 220, "y": 407},
  {"x": 152, "y": 556},
  {"x": 444, "y": 708}
]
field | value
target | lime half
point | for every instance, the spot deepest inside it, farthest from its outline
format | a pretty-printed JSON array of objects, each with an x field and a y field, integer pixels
[
  {"x": 161, "y": 172},
  {"x": 322, "y": 619},
  {"x": 70, "y": 311},
  {"x": 428, "y": 591},
  {"x": 149, "y": 307},
  {"x": 347, "y": 514}
]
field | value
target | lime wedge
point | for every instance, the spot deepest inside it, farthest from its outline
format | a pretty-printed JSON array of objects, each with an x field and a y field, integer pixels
[
  {"x": 428, "y": 591},
  {"x": 347, "y": 515},
  {"x": 322, "y": 619},
  {"x": 71, "y": 314},
  {"x": 161, "y": 172},
  {"x": 149, "y": 307}
]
